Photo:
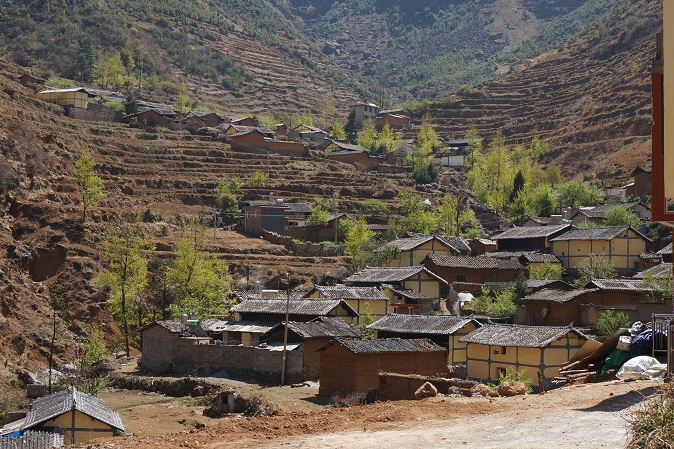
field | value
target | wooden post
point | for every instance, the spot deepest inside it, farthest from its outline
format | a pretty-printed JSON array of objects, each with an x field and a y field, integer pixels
[
  {"x": 285, "y": 334},
  {"x": 540, "y": 383}
]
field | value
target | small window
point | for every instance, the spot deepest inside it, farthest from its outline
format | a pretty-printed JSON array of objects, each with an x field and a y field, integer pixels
[
  {"x": 501, "y": 372},
  {"x": 503, "y": 349}
]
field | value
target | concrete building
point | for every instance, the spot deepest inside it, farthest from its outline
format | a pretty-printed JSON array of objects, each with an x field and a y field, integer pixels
[{"x": 365, "y": 111}]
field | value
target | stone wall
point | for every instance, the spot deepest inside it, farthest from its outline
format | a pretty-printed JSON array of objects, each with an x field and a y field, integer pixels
[
  {"x": 95, "y": 113},
  {"x": 401, "y": 387},
  {"x": 302, "y": 249}
]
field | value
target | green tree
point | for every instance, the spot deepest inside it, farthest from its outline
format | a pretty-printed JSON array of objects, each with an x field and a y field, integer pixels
[
  {"x": 351, "y": 128},
  {"x": 658, "y": 287},
  {"x": 225, "y": 197},
  {"x": 130, "y": 104},
  {"x": 91, "y": 185},
  {"x": 619, "y": 215},
  {"x": 337, "y": 130},
  {"x": 426, "y": 142},
  {"x": 304, "y": 119},
  {"x": 500, "y": 303},
  {"x": 110, "y": 70},
  {"x": 126, "y": 251},
  {"x": 474, "y": 144},
  {"x": 257, "y": 179},
  {"x": 610, "y": 321},
  {"x": 183, "y": 102},
  {"x": 85, "y": 59},
  {"x": 317, "y": 219},
  {"x": 518, "y": 185},
  {"x": 365, "y": 320},
  {"x": 548, "y": 270},
  {"x": 542, "y": 200},
  {"x": 198, "y": 281},
  {"x": 453, "y": 216},
  {"x": 576, "y": 193},
  {"x": 368, "y": 136},
  {"x": 356, "y": 242},
  {"x": 594, "y": 267},
  {"x": 373, "y": 207}
]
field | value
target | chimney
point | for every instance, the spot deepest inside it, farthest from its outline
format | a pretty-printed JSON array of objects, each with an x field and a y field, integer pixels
[{"x": 183, "y": 319}]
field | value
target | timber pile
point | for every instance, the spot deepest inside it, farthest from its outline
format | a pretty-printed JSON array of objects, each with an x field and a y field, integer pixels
[{"x": 576, "y": 371}]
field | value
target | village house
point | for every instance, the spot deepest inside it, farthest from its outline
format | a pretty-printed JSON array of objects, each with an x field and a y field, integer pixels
[
  {"x": 76, "y": 97},
  {"x": 78, "y": 417},
  {"x": 151, "y": 117},
  {"x": 330, "y": 232},
  {"x": 338, "y": 146},
  {"x": 274, "y": 310},
  {"x": 597, "y": 214},
  {"x": 362, "y": 299},
  {"x": 364, "y": 111},
  {"x": 494, "y": 348},
  {"x": 539, "y": 284},
  {"x": 395, "y": 118},
  {"x": 474, "y": 270},
  {"x": 543, "y": 221},
  {"x": 552, "y": 307},
  {"x": 312, "y": 335},
  {"x": 230, "y": 129},
  {"x": 414, "y": 250},
  {"x": 661, "y": 270},
  {"x": 621, "y": 244},
  {"x": 30, "y": 80},
  {"x": 245, "y": 333},
  {"x": 443, "y": 330},
  {"x": 196, "y": 119},
  {"x": 535, "y": 261},
  {"x": 417, "y": 278},
  {"x": 641, "y": 187},
  {"x": 350, "y": 364},
  {"x": 406, "y": 301},
  {"x": 528, "y": 238},
  {"x": 258, "y": 140},
  {"x": 245, "y": 121},
  {"x": 666, "y": 253},
  {"x": 273, "y": 215},
  {"x": 481, "y": 246},
  {"x": 310, "y": 133}
]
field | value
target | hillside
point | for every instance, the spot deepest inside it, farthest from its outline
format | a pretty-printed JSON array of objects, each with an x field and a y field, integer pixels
[{"x": 590, "y": 99}]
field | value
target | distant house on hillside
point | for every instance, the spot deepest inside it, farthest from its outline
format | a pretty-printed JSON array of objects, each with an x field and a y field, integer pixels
[
  {"x": 273, "y": 215},
  {"x": 231, "y": 129},
  {"x": 476, "y": 270},
  {"x": 597, "y": 214},
  {"x": 641, "y": 187},
  {"x": 364, "y": 111},
  {"x": 311, "y": 133},
  {"x": 528, "y": 238},
  {"x": 361, "y": 299},
  {"x": 395, "y": 118},
  {"x": 274, "y": 310},
  {"x": 413, "y": 250},
  {"x": 30, "y": 80},
  {"x": 76, "y": 97},
  {"x": 257, "y": 140},
  {"x": 418, "y": 279}
]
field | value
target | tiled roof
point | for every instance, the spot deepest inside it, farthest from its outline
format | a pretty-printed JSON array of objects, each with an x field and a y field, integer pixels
[
  {"x": 324, "y": 326},
  {"x": 378, "y": 275},
  {"x": 539, "y": 258},
  {"x": 406, "y": 244},
  {"x": 175, "y": 327},
  {"x": 385, "y": 345},
  {"x": 345, "y": 152},
  {"x": 663, "y": 269},
  {"x": 406, "y": 293},
  {"x": 474, "y": 262},
  {"x": 213, "y": 325},
  {"x": 530, "y": 232},
  {"x": 633, "y": 285},
  {"x": 603, "y": 233},
  {"x": 347, "y": 146},
  {"x": 505, "y": 254},
  {"x": 243, "y": 129},
  {"x": 280, "y": 294},
  {"x": 48, "y": 407},
  {"x": 458, "y": 243},
  {"x": 600, "y": 211},
  {"x": 305, "y": 208},
  {"x": 421, "y": 324},
  {"x": 516, "y": 335},
  {"x": 540, "y": 283},
  {"x": 315, "y": 307},
  {"x": 377, "y": 227},
  {"x": 341, "y": 291},
  {"x": 666, "y": 250},
  {"x": 560, "y": 296}
]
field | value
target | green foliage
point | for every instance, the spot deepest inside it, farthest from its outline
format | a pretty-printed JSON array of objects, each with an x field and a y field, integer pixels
[
  {"x": 317, "y": 219},
  {"x": 7, "y": 404},
  {"x": 514, "y": 375},
  {"x": 426, "y": 142},
  {"x": 304, "y": 119},
  {"x": 610, "y": 321},
  {"x": 183, "y": 102},
  {"x": 658, "y": 288},
  {"x": 125, "y": 275},
  {"x": 367, "y": 138},
  {"x": 225, "y": 197},
  {"x": 337, "y": 130},
  {"x": 94, "y": 349},
  {"x": 60, "y": 83},
  {"x": 594, "y": 267},
  {"x": 576, "y": 193},
  {"x": 619, "y": 215},
  {"x": 373, "y": 207},
  {"x": 548, "y": 270},
  {"x": 257, "y": 179},
  {"x": 454, "y": 218},
  {"x": 109, "y": 70},
  {"x": 357, "y": 241},
  {"x": 651, "y": 423},
  {"x": 130, "y": 104},
  {"x": 327, "y": 204},
  {"x": 351, "y": 128},
  {"x": 91, "y": 185},
  {"x": 500, "y": 303},
  {"x": 365, "y": 320},
  {"x": 198, "y": 281},
  {"x": 426, "y": 175}
]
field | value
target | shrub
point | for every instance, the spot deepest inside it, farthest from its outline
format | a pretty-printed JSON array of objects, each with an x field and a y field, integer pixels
[
  {"x": 610, "y": 321},
  {"x": 652, "y": 425},
  {"x": 514, "y": 375}
]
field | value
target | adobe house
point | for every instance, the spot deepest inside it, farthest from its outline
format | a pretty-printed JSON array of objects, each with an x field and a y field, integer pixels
[
  {"x": 246, "y": 121},
  {"x": 28, "y": 79},
  {"x": 481, "y": 246},
  {"x": 414, "y": 250},
  {"x": 631, "y": 296},
  {"x": 535, "y": 261},
  {"x": 539, "y": 284},
  {"x": 310, "y": 133},
  {"x": 621, "y": 244},
  {"x": 350, "y": 364},
  {"x": 274, "y": 310},
  {"x": 282, "y": 130},
  {"x": 530, "y": 222},
  {"x": 552, "y": 307},
  {"x": 157, "y": 342},
  {"x": 660, "y": 270},
  {"x": 335, "y": 145},
  {"x": 416, "y": 278},
  {"x": 409, "y": 302},
  {"x": 151, "y": 117},
  {"x": 231, "y": 129},
  {"x": 313, "y": 334},
  {"x": 528, "y": 238},
  {"x": 331, "y": 232},
  {"x": 364, "y": 111},
  {"x": 395, "y": 118},
  {"x": 494, "y": 348},
  {"x": 443, "y": 330},
  {"x": 76, "y": 97},
  {"x": 360, "y": 158},
  {"x": 597, "y": 214},
  {"x": 475, "y": 270},
  {"x": 246, "y": 333},
  {"x": 77, "y": 416},
  {"x": 361, "y": 299},
  {"x": 641, "y": 186},
  {"x": 274, "y": 215},
  {"x": 256, "y": 139}
]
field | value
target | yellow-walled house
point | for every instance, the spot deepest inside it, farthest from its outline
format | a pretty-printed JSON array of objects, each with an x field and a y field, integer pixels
[
  {"x": 621, "y": 244},
  {"x": 79, "y": 417},
  {"x": 535, "y": 261},
  {"x": 494, "y": 348},
  {"x": 274, "y": 310},
  {"x": 413, "y": 250},
  {"x": 443, "y": 330},
  {"x": 77, "y": 97},
  {"x": 417, "y": 278},
  {"x": 361, "y": 299}
]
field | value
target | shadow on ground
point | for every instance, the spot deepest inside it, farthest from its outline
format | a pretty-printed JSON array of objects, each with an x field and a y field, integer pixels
[{"x": 623, "y": 401}]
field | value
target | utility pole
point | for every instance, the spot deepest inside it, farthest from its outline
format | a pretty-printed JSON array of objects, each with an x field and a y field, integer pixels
[{"x": 285, "y": 333}]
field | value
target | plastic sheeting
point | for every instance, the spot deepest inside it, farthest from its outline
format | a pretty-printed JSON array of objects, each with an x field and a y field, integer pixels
[{"x": 642, "y": 367}]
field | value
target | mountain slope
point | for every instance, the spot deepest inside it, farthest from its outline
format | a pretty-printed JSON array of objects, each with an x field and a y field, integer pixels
[{"x": 590, "y": 100}]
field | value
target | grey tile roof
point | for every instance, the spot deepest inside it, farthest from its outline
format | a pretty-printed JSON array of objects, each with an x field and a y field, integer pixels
[
  {"x": 175, "y": 327},
  {"x": 379, "y": 275},
  {"x": 345, "y": 152},
  {"x": 347, "y": 146},
  {"x": 530, "y": 232},
  {"x": 666, "y": 250},
  {"x": 539, "y": 258},
  {"x": 517, "y": 335},
  {"x": 341, "y": 291},
  {"x": 377, "y": 227},
  {"x": 48, "y": 407},
  {"x": 505, "y": 254},
  {"x": 409, "y": 243},
  {"x": 600, "y": 211},
  {"x": 385, "y": 345},
  {"x": 539, "y": 283},
  {"x": 603, "y": 233},
  {"x": 560, "y": 296},
  {"x": 663, "y": 269},
  {"x": 324, "y": 326},
  {"x": 406, "y": 293},
  {"x": 421, "y": 324},
  {"x": 484, "y": 263},
  {"x": 213, "y": 325},
  {"x": 458, "y": 243},
  {"x": 243, "y": 129},
  {"x": 280, "y": 294},
  {"x": 315, "y": 307},
  {"x": 633, "y": 285},
  {"x": 304, "y": 208}
]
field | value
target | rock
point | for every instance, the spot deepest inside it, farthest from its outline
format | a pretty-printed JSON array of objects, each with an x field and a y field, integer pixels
[
  {"x": 425, "y": 391},
  {"x": 512, "y": 388},
  {"x": 481, "y": 390},
  {"x": 454, "y": 390}
]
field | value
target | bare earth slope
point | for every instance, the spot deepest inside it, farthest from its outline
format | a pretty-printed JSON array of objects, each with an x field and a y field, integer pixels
[{"x": 590, "y": 100}]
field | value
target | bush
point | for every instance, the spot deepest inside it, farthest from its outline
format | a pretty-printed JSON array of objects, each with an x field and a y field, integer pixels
[
  {"x": 514, "y": 375},
  {"x": 652, "y": 425},
  {"x": 610, "y": 321}
]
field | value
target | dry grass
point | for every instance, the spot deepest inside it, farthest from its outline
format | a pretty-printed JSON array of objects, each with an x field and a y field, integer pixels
[{"x": 651, "y": 426}]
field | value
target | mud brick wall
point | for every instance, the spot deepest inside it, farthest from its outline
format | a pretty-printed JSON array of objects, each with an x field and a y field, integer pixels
[{"x": 399, "y": 387}]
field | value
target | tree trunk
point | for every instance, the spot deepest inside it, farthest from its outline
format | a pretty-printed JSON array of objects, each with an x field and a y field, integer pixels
[{"x": 125, "y": 323}]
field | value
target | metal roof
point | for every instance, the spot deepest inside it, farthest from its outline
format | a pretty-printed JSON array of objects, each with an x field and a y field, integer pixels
[
  {"x": 478, "y": 263},
  {"x": 600, "y": 211},
  {"x": 517, "y": 335},
  {"x": 213, "y": 325},
  {"x": 315, "y": 307},
  {"x": 421, "y": 324},
  {"x": 378, "y": 275},
  {"x": 341, "y": 291},
  {"x": 48, "y": 407},
  {"x": 359, "y": 346},
  {"x": 560, "y": 296},
  {"x": 530, "y": 232}
]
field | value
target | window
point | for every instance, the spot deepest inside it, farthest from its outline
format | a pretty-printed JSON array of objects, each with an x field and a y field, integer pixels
[
  {"x": 500, "y": 372},
  {"x": 461, "y": 278}
]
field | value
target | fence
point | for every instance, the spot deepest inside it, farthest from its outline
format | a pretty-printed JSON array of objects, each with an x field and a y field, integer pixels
[{"x": 32, "y": 440}]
